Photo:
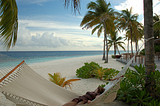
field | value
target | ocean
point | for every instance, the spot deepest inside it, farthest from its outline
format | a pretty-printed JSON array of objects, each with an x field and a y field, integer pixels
[{"x": 43, "y": 56}]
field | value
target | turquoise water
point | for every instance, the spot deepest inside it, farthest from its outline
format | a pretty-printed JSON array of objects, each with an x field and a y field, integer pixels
[{"x": 42, "y": 56}]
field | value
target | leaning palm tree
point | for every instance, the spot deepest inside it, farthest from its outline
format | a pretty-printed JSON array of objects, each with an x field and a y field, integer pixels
[
  {"x": 99, "y": 13},
  {"x": 8, "y": 23},
  {"x": 127, "y": 21},
  {"x": 115, "y": 41},
  {"x": 100, "y": 27}
]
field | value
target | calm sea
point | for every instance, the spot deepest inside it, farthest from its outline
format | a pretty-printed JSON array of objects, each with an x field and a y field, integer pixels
[{"x": 42, "y": 56}]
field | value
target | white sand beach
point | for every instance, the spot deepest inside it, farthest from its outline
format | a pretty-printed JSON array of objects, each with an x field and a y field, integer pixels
[{"x": 67, "y": 68}]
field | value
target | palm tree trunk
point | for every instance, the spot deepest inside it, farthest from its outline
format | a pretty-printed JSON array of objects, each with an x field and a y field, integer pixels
[
  {"x": 105, "y": 32},
  {"x": 114, "y": 49},
  {"x": 118, "y": 51},
  {"x": 131, "y": 40},
  {"x": 149, "y": 47},
  {"x": 128, "y": 45},
  {"x": 103, "y": 58}
]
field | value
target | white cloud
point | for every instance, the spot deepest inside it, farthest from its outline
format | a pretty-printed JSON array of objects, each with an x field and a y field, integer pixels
[
  {"x": 39, "y": 2},
  {"x": 49, "y": 24},
  {"x": 58, "y": 40},
  {"x": 137, "y": 6}
]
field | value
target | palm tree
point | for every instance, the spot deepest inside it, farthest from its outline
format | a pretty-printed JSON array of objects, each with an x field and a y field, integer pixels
[
  {"x": 137, "y": 33},
  {"x": 99, "y": 13},
  {"x": 127, "y": 37},
  {"x": 115, "y": 41},
  {"x": 99, "y": 27},
  {"x": 127, "y": 22},
  {"x": 149, "y": 47},
  {"x": 9, "y": 23}
]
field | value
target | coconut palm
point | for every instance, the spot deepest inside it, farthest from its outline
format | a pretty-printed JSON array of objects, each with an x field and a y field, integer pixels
[
  {"x": 127, "y": 37},
  {"x": 99, "y": 27},
  {"x": 115, "y": 41},
  {"x": 149, "y": 47},
  {"x": 128, "y": 21},
  {"x": 99, "y": 13},
  {"x": 8, "y": 23},
  {"x": 137, "y": 34}
]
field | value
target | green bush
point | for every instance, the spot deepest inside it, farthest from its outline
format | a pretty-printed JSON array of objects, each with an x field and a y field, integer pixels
[
  {"x": 110, "y": 73},
  {"x": 132, "y": 88},
  {"x": 93, "y": 69},
  {"x": 113, "y": 56},
  {"x": 86, "y": 71}
]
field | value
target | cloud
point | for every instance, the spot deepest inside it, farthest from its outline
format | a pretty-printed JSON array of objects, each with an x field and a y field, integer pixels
[
  {"x": 45, "y": 40},
  {"x": 49, "y": 24},
  {"x": 137, "y": 6},
  {"x": 51, "y": 41},
  {"x": 39, "y": 2}
]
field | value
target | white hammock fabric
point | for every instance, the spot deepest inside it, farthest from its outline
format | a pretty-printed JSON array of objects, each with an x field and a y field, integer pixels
[{"x": 28, "y": 86}]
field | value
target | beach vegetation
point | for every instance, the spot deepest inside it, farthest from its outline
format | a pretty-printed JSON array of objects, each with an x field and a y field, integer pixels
[
  {"x": 133, "y": 90},
  {"x": 61, "y": 81},
  {"x": 110, "y": 73},
  {"x": 90, "y": 70},
  {"x": 86, "y": 71}
]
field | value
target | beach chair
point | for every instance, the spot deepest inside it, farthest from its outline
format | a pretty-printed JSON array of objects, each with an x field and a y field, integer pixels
[{"x": 25, "y": 85}]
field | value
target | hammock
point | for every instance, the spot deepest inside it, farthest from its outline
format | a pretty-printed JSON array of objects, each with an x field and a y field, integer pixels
[{"x": 24, "y": 84}]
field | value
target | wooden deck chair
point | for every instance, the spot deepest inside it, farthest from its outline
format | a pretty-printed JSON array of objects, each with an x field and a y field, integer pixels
[{"x": 24, "y": 84}]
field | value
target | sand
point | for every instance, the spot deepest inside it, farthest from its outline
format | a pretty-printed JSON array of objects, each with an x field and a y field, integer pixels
[{"x": 67, "y": 68}]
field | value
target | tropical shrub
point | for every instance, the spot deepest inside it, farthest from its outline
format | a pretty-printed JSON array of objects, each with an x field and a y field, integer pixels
[
  {"x": 86, "y": 71},
  {"x": 99, "y": 72},
  {"x": 110, "y": 73},
  {"x": 57, "y": 79},
  {"x": 93, "y": 69},
  {"x": 113, "y": 56},
  {"x": 132, "y": 88}
]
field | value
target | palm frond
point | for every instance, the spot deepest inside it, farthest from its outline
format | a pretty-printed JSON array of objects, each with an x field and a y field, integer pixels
[
  {"x": 68, "y": 82},
  {"x": 9, "y": 23},
  {"x": 75, "y": 4}
]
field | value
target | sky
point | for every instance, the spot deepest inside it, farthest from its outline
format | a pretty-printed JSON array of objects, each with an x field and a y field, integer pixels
[{"x": 47, "y": 25}]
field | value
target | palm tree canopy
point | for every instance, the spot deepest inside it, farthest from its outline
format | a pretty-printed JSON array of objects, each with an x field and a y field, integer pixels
[
  {"x": 9, "y": 23},
  {"x": 114, "y": 40},
  {"x": 97, "y": 11},
  {"x": 127, "y": 19}
]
